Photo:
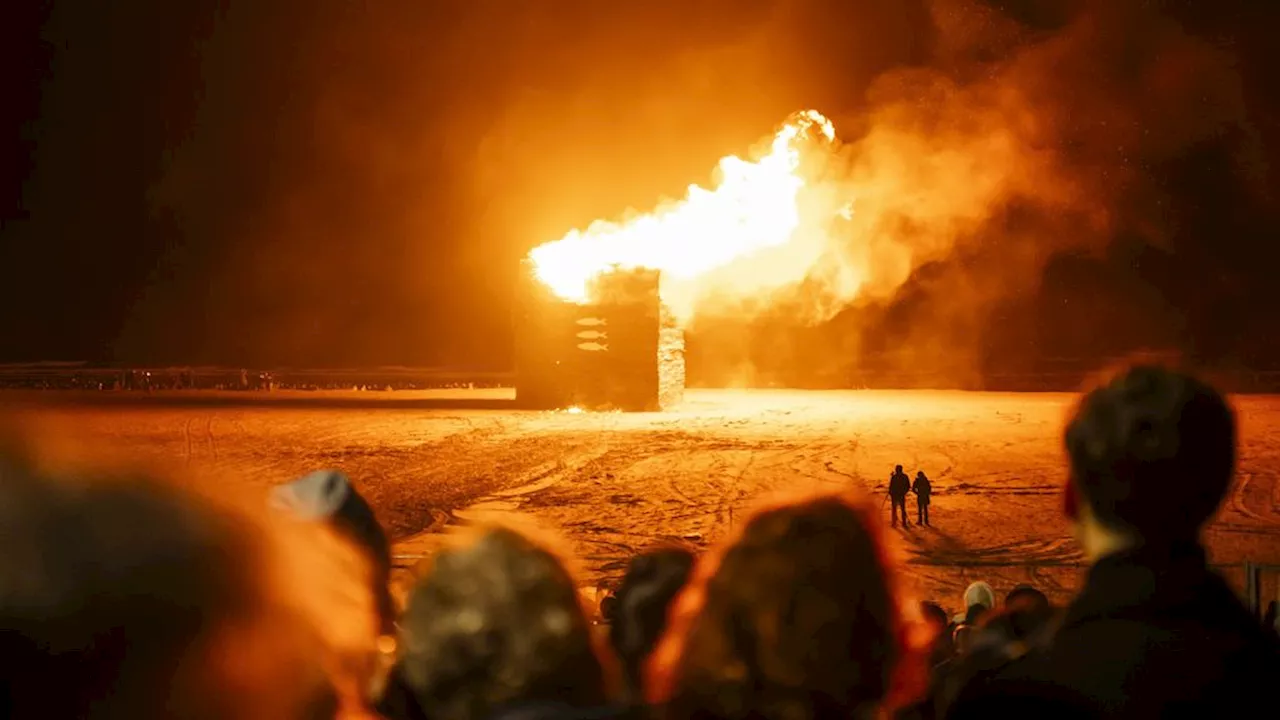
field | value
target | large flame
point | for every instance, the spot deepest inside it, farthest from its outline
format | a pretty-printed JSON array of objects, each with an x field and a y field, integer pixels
[{"x": 755, "y": 207}]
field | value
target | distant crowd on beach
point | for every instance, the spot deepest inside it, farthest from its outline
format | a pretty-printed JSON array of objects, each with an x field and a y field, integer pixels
[{"x": 170, "y": 379}]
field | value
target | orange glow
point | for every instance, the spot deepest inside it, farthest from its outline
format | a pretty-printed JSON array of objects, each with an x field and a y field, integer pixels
[
  {"x": 810, "y": 225},
  {"x": 754, "y": 207}
]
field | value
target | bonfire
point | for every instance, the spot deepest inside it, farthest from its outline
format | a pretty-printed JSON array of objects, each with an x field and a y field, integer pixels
[
  {"x": 620, "y": 291},
  {"x": 755, "y": 206}
]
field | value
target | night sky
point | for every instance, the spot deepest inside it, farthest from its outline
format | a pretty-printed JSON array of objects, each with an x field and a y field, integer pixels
[{"x": 353, "y": 182}]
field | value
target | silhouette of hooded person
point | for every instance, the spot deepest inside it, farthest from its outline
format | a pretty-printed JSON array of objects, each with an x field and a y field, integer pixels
[
  {"x": 899, "y": 487},
  {"x": 923, "y": 490}
]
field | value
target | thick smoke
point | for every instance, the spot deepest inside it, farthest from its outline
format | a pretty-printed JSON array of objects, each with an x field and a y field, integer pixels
[{"x": 964, "y": 179}]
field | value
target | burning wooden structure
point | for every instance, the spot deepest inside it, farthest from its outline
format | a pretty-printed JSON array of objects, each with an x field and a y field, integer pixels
[{"x": 621, "y": 351}]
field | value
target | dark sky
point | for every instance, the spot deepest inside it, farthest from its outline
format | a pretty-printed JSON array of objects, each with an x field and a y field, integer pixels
[{"x": 341, "y": 182}]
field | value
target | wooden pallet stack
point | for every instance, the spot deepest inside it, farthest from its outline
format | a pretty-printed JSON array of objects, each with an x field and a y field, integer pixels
[{"x": 621, "y": 351}]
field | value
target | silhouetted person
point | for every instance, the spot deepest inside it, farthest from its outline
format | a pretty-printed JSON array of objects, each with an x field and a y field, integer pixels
[
  {"x": 328, "y": 497},
  {"x": 941, "y": 652},
  {"x": 899, "y": 487},
  {"x": 1027, "y": 593},
  {"x": 497, "y": 625},
  {"x": 796, "y": 618},
  {"x": 978, "y": 599},
  {"x": 1154, "y": 632},
  {"x": 131, "y": 597},
  {"x": 938, "y": 621},
  {"x": 652, "y": 581},
  {"x": 996, "y": 639},
  {"x": 923, "y": 490}
]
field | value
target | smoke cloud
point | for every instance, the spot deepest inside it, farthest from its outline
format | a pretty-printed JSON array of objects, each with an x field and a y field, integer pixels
[{"x": 962, "y": 181}]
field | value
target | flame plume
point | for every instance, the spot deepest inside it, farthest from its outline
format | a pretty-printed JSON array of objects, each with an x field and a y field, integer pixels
[{"x": 754, "y": 207}]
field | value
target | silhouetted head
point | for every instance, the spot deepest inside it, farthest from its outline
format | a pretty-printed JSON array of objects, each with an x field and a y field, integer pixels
[
  {"x": 975, "y": 613},
  {"x": 652, "y": 581},
  {"x": 919, "y": 473},
  {"x": 1018, "y": 620},
  {"x": 938, "y": 621},
  {"x": 327, "y": 496},
  {"x": 897, "y": 468},
  {"x": 796, "y": 618},
  {"x": 129, "y": 597},
  {"x": 1028, "y": 594},
  {"x": 934, "y": 614},
  {"x": 1152, "y": 452},
  {"x": 608, "y": 607},
  {"x": 496, "y": 622},
  {"x": 1001, "y": 637}
]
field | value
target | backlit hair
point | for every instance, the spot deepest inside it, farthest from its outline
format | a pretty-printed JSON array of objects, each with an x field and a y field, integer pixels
[
  {"x": 497, "y": 621},
  {"x": 798, "y": 617}
]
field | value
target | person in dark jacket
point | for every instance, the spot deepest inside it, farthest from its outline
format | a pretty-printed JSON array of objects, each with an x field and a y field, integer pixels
[
  {"x": 1154, "y": 632},
  {"x": 899, "y": 487},
  {"x": 923, "y": 489}
]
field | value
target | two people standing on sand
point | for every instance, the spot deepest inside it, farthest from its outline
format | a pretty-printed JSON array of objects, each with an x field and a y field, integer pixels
[{"x": 900, "y": 486}]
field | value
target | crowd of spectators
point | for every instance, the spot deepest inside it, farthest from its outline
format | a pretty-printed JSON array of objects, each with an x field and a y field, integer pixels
[
  {"x": 124, "y": 596},
  {"x": 229, "y": 379}
]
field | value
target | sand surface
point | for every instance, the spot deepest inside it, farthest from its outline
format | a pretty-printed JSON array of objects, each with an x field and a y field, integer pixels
[{"x": 611, "y": 483}]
